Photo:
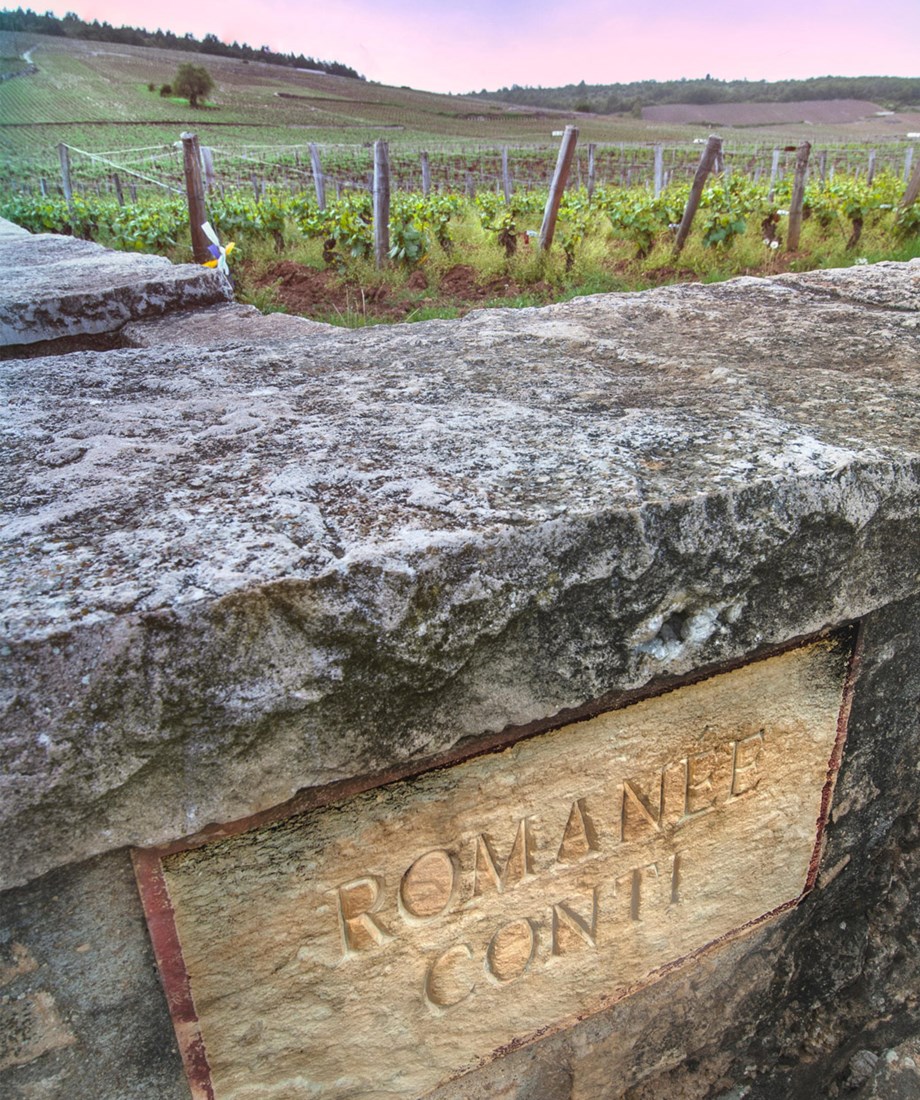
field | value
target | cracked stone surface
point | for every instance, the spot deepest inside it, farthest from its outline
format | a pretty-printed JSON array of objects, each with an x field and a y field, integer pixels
[
  {"x": 233, "y": 573},
  {"x": 55, "y": 286},
  {"x": 217, "y": 325}
]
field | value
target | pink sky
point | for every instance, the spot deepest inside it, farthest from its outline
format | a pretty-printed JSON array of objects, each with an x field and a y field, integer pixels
[{"x": 460, "y": 47}]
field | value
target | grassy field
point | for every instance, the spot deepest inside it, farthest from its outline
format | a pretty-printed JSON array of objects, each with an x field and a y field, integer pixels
[{"x": 476, "y": 272}]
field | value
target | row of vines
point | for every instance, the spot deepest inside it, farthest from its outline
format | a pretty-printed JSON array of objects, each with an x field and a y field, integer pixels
[
  {"x": 462, "y": 169},
  {"x": 730, "y": 208}
]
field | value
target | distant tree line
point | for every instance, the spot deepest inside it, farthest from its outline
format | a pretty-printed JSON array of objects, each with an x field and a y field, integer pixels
[
  {"x": 890, "y": 91},
  {"x": 72, "y": 26}
]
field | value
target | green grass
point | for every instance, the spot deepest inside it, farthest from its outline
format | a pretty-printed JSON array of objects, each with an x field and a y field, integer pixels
[
  {"x": 604, "y": 262},
  {"x": 263, "y": 298},
  {"x": 434, "y": 313}
]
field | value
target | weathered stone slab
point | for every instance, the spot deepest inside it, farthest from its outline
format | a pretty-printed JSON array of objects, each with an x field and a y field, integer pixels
[
  {"x": 30, "y": 1026},
  {"x": 224, "y": 324},
  {"x": 56, "y": 286},
  {"x": 780, "y": 1012},
  {"x": 9, "y": 229},
  {"x": 478, "y": 525},
  {"x": 493, "y": 901},
  {"x": 269, "y": 569},
  {"x": 82, "y": 1013}
]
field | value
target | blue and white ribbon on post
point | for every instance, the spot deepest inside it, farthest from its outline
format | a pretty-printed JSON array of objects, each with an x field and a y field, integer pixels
[{"x": 217, "y": 250}]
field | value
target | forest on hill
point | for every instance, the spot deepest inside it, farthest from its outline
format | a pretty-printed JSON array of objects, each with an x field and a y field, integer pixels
[
  {"x": 895, "y": 92},
  {"x": 72, "y": 26}
]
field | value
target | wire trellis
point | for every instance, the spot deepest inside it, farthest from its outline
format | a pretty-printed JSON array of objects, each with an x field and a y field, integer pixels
[{"x": 458, "y": 169}]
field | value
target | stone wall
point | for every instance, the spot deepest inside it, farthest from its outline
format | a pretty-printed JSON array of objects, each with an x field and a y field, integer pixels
[{"x": 273, "y": 569}]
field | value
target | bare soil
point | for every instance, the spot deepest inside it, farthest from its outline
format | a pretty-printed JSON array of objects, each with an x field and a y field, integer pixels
[
  {"x": 325, "y": 295},
  {"x": 312, "y": 293}
]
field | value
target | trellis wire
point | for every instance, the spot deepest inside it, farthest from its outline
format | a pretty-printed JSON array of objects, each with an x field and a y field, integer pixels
[
  {"x": 122, "y": 168},
  {"x": 458, "y": 168}
]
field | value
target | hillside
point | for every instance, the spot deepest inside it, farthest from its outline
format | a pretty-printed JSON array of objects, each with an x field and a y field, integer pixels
[
  {"x": 788, "y": 112},
  {"x": 94, "y": 94},
  {"x": 72, "y": 26},
  {"x": 894, "y": 92}
]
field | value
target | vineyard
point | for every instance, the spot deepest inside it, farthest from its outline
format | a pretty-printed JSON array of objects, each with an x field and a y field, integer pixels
[
  {"x": 90, "y": 148},
  {"x": 449, "y": 251},
  {"x": 466, "y": 167},
  {"x": 106, "y": 96}
]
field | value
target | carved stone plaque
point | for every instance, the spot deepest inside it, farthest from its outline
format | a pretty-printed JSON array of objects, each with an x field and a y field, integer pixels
[{"x": 382, "y": 944}]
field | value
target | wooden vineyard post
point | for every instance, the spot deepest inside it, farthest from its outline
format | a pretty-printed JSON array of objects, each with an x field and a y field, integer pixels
[
  {"x": 908, "y": 161},
  {"x": 64, "y": 155},
  {"x": 870, "y": 171},
  {"x": 822, "y": 166},
  {"x": 119, "y": 194},
  {"x": 913, "y": 188},
  {"x": 207, "y": 164},
  {"x": 381, "y": 203},
  {"x": 711, "y": 154},
  {"x": 506, "y": 175},
  {"x": 798, "y": 196},
  {"x": 426, "y": 174},
  {"x": 319, "y": 182},
  {"x": 194, "y": 190},
  {"x": 774, "y": 169},
  {"x": 470, "y": 187},
  {"x": 592, "y": 171},
  {"x": 43, "y": 186},
  {"x": 556, "y": 188},
  {"x": 256, "y": 187},
  {"x": 659, "y": 170}
]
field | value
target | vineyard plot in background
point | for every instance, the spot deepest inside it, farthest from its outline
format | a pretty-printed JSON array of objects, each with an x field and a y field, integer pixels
[{"x": 101, "y": 95}]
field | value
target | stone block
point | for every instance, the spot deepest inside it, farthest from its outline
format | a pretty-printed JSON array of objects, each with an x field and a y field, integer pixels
[
  {"x": 55, "y": 287},
  {"x": 82, "y": 1013},
  {"x": 273, "y": 568},
  {"x": 217, "y": 325},
  {"x": 502, "y": 897},
  {"x": 239, "y": 575}
]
